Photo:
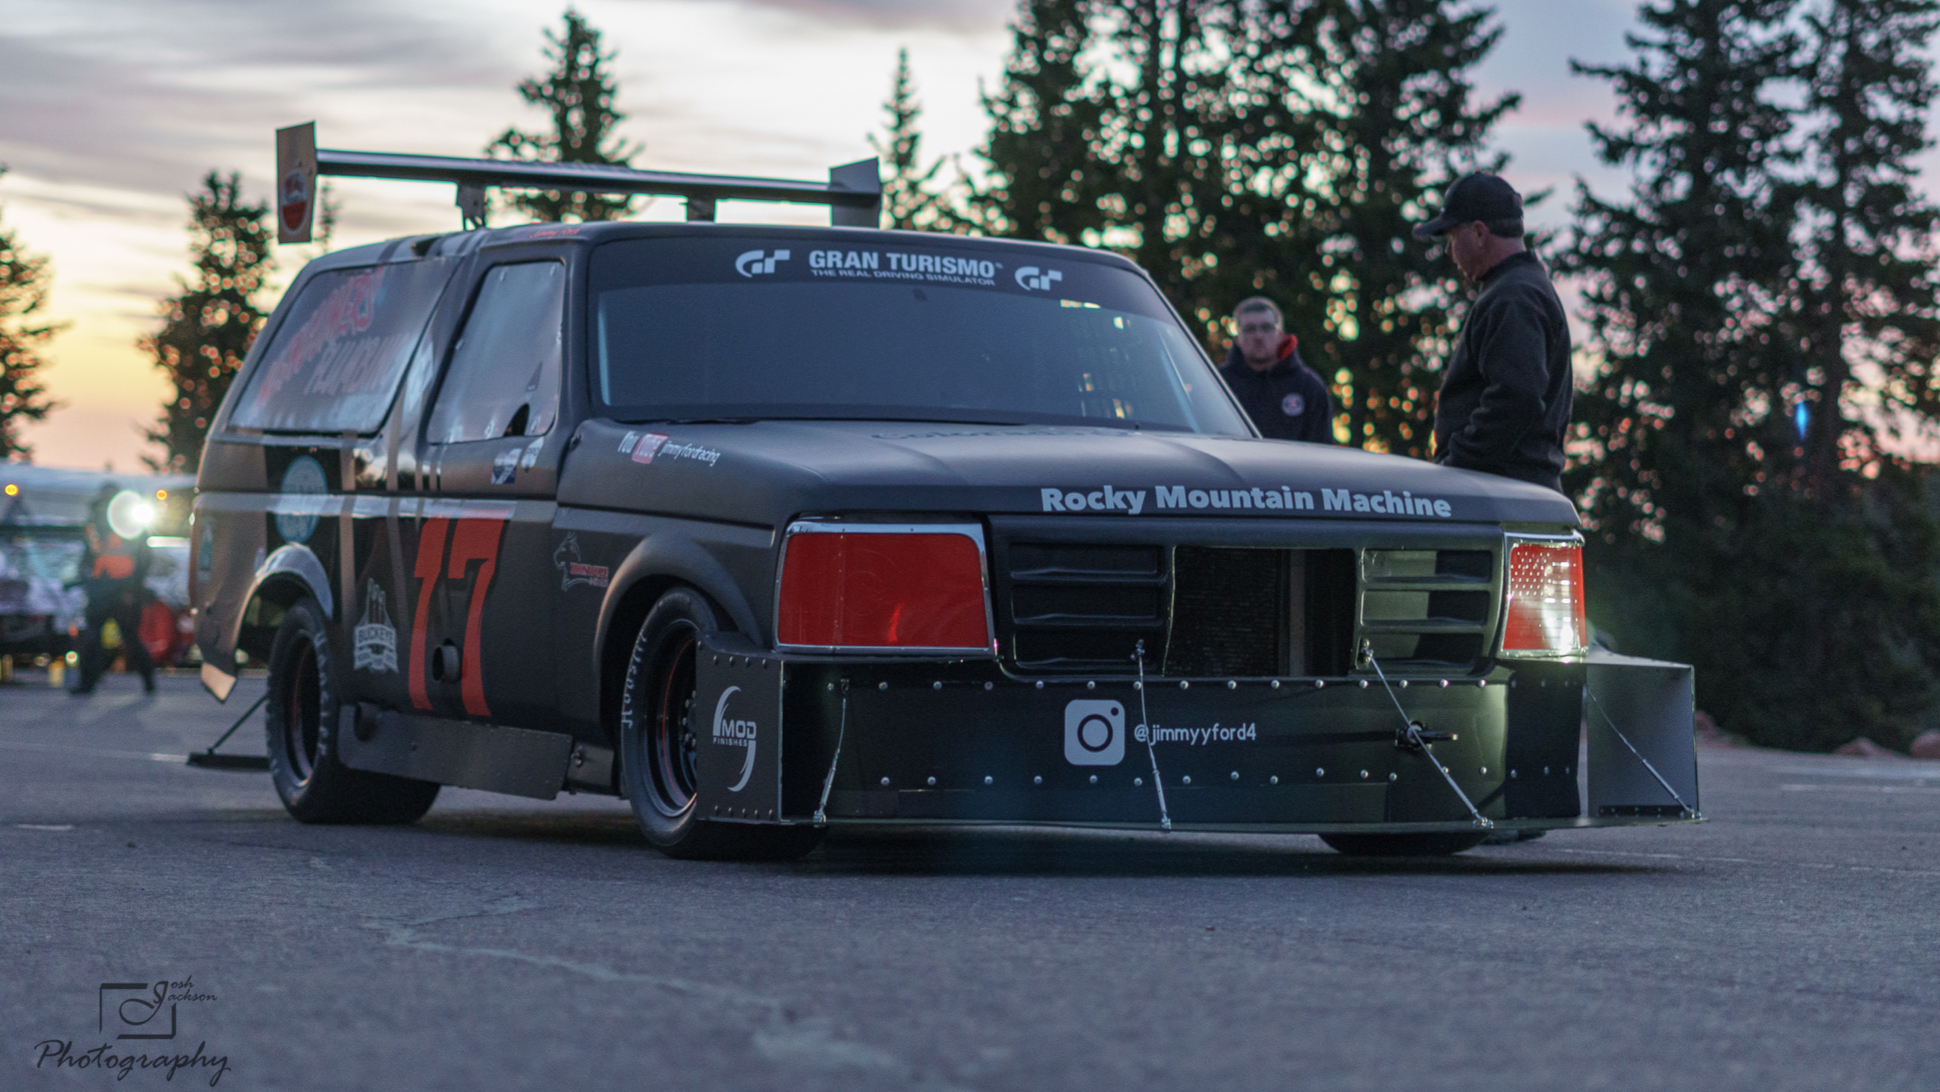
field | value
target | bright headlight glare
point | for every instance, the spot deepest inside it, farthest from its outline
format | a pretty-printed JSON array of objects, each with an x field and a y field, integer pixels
[{"x": 129, "y": 514}]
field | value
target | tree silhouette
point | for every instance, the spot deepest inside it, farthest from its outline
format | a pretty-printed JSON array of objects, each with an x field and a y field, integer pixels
[
  {"x": 1769, "y": 257},
  {"x": 908, "y": 198},
  {"x": 208, "y": 326},
  {"x": 578, "y": 92},
  {"x": 1870, "y": 324},
  {"x": 24, "y": 278},
  {"x": 1234, "y": 149}
]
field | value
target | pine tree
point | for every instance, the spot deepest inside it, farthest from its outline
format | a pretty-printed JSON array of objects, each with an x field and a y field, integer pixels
[
  {"x": 1045, "y": 117},
  {"x": 1870, "y": 327},
  {"x": 207, "y": 327},
  {"x": 1806, "y": 598},
  {"x": 579, "y": 94},
  {"x": 1684, "y": 283},
  {"x": 909, "y": 200},
  {"x": 1234, "y": 148},
  {"x": 1395, "y": 119},
  {"x": 24, "y": 278}
]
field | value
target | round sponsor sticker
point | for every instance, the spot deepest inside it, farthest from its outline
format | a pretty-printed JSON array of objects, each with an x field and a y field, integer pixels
[
  {"x": 1293, "y": 405},
  {"x": 294, "y": 199},
  {"x": 301, "y": 503}
]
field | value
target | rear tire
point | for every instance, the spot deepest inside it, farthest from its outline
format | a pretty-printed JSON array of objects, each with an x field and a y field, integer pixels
[
  {"x": 306, "y": 700},
  {"x": 657, "y": 743},
  {"x": 1403, "y": 845}
]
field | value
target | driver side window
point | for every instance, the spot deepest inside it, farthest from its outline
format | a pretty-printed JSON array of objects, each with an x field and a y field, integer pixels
[{"x": 504, "y": 374}]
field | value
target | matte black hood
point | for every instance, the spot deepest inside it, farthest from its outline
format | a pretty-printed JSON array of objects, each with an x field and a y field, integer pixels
[{"x": 767, "y": 472}]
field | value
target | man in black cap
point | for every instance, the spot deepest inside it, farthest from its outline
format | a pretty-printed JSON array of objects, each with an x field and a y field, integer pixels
[
  {"x": 1505, "y": 397},
  {"x": 1286, "y": 399}
]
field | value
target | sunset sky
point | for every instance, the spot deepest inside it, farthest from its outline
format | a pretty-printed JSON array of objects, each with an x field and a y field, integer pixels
[{"x": 112, "y": 110}]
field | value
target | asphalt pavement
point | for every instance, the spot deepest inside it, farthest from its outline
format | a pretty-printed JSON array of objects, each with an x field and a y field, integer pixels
[{"x": 501, "y": 943}]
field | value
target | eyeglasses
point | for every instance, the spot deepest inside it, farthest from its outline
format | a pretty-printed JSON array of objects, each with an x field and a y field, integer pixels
[{"x": 1259, "y": 328}]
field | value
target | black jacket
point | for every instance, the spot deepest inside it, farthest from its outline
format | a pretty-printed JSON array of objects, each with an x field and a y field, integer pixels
[
  {"x": 1288, "y": 401},
  {"x": 1505, "y": 400}
]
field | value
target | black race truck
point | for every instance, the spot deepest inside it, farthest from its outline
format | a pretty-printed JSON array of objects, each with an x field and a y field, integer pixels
[{"x": 770, "y": 529}]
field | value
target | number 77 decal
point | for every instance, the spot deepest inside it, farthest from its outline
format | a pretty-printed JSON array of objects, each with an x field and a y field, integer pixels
[{"x": 473, "y": 540}]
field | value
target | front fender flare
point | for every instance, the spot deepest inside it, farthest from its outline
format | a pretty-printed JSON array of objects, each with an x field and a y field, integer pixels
[{"x": 678, "y": 559}]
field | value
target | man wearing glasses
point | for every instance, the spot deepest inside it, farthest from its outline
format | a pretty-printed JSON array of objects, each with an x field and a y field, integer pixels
[{"x": 1286, "y": 399}]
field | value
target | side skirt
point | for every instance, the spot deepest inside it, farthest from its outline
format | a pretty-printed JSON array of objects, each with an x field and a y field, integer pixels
[{"x": 492, "y": 757}]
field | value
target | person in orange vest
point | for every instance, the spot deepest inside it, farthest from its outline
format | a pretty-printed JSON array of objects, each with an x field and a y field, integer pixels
[{"x": 116, "y": 569}]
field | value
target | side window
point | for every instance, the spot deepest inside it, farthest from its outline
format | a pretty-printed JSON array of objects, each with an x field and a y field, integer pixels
[
  {"x": 337, "y": 355},
  {"x": 504, "y": 374}
]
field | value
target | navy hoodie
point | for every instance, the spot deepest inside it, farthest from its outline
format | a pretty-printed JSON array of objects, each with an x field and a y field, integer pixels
[{"x": 1288, "y": 401}]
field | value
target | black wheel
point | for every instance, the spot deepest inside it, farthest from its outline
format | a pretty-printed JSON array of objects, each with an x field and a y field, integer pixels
[
  {"x": 1403, "y": 845},
  {"x": 306, "y": 693},
  {"x": 657, "y": 740}
]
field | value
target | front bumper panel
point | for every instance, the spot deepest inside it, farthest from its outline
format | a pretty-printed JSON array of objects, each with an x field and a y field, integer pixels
[{"x": 962, "y": 741}]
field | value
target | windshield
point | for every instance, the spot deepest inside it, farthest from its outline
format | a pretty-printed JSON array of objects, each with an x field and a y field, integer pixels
[{"x": 760, "y": 327}]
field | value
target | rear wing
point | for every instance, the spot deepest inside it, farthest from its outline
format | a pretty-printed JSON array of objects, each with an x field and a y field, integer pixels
[{"x": 853, "y": 192}]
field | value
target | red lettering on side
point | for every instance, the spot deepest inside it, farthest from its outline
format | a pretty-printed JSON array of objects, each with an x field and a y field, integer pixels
[
  {"x": 475, "y": 540},
  {"x": 431, "y": 557}
]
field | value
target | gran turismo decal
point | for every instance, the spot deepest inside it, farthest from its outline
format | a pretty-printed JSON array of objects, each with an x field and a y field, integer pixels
[
  {"x": 373, "y": 644},
  {"x": 736, "y": 733},
  {"x": 1094, "y": 733},
  {"x": 1033, "y": 279},
  {"x": 898, "y": 265},
  {"x": 572, "y": 571},
  {"x": 756, "y": 262},
  {"x": 1270, "y": 499},
  {"x": 470, "y": 540}
]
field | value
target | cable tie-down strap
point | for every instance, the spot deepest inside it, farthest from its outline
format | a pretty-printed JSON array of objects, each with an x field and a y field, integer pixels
[
  {"x": 1412, "y": 736},
  {"x": 822, "y": 809},
  {"x": 1145, "y": 725}
]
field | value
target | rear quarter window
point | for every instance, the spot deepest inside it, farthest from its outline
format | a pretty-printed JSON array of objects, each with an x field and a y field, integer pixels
[{"x": 337, "y": 357}]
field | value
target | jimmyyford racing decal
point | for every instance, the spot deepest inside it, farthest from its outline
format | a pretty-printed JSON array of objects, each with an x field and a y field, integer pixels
[{"x": 1282, "y": 499}]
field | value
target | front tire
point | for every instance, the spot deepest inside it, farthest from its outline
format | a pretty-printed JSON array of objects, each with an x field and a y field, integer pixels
[
  {"x": 1403, "y": 845},
  {"x": 657, "y": 742},
  {"x": 306, "y": 700}
]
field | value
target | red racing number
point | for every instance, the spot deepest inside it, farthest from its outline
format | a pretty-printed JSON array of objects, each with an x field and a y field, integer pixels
[{"x": 473, "y": 540}]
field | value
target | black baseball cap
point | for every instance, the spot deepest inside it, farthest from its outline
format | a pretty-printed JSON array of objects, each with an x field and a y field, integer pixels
[{"x": 1476, "y": 196}]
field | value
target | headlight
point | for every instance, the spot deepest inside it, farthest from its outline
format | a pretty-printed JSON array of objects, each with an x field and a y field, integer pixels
[{"x": 893, "y": 587}]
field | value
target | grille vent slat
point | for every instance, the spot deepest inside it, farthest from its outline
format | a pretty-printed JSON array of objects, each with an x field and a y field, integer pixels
[{"x": 1215, "y": 611}]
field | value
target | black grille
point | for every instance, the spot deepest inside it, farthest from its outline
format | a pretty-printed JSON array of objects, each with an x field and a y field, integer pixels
[
  {"x": 1230, "y": 612},
  {"x": 1200, "y": 610}
]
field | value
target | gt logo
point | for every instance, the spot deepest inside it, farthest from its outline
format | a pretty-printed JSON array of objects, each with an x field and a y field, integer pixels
[
  {"x": 758, "y": 261},
  {"x": 1033, "y": 279},
  {"x": 471, "y": 540}
]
